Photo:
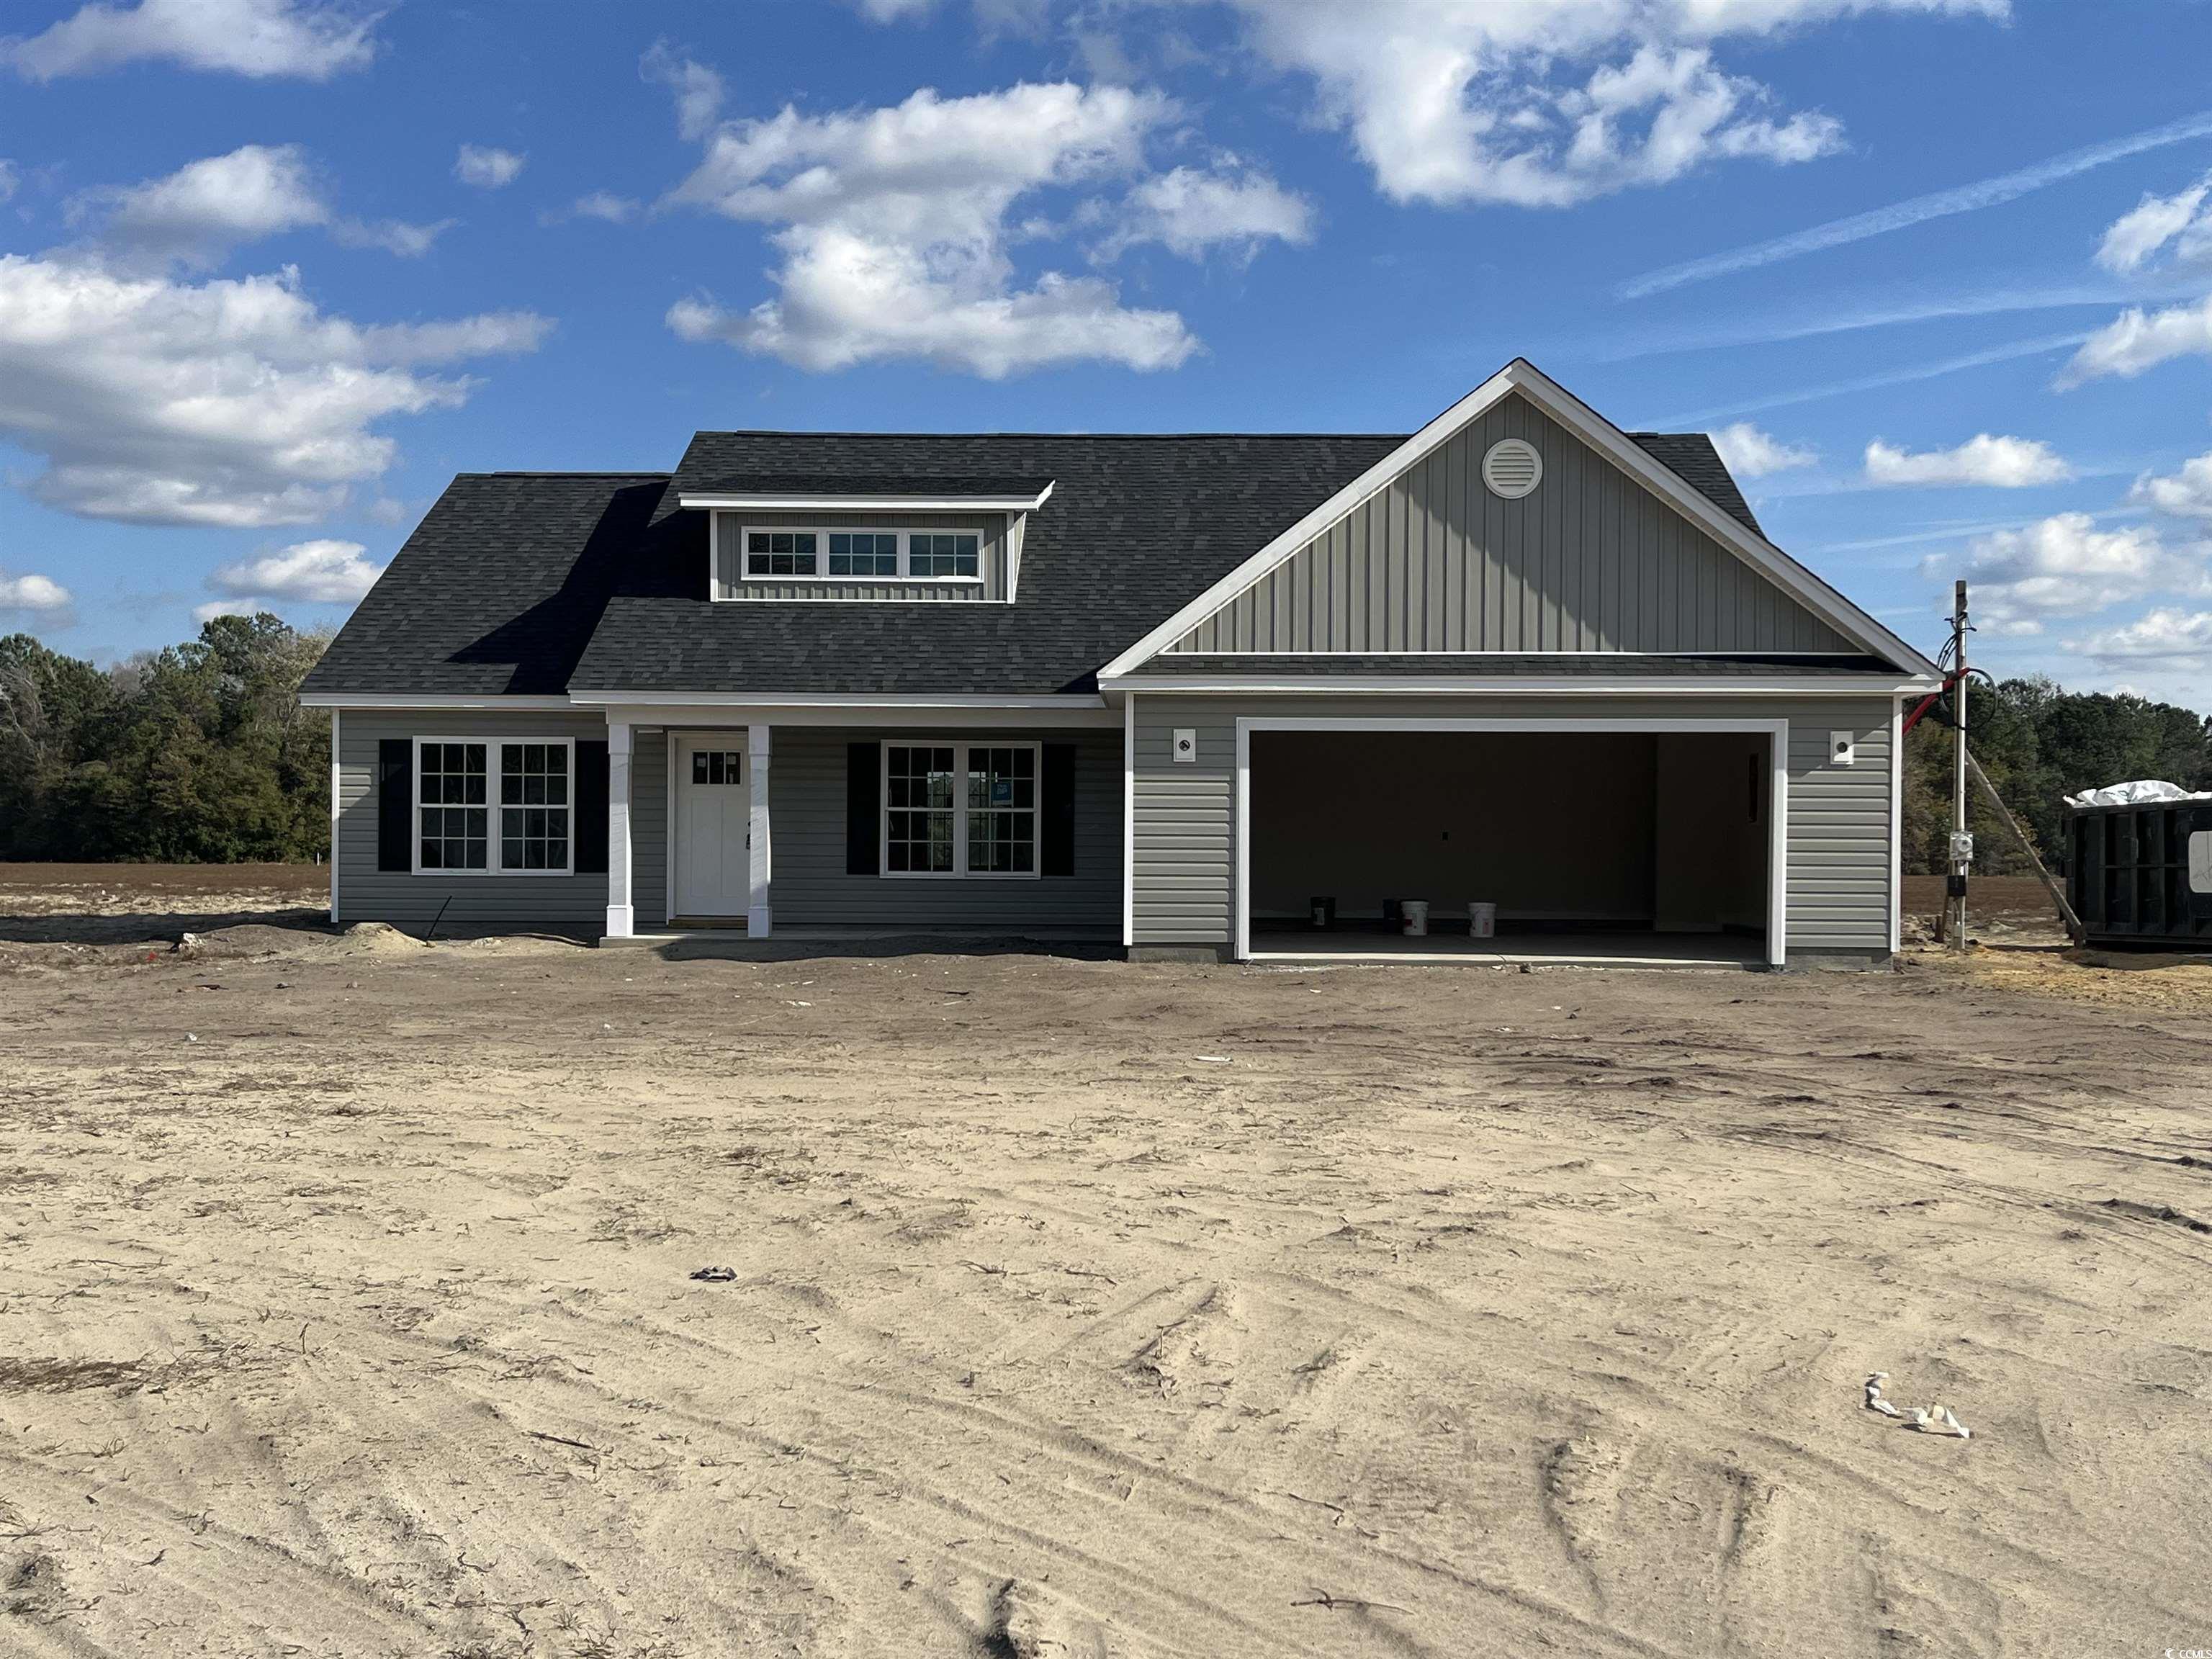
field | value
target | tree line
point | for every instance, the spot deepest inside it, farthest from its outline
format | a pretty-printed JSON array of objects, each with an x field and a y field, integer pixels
[
  {"x": 202, "y": 753},
  {"x": 2040, "y": 742},
  {"x": 198, "y": 754}
]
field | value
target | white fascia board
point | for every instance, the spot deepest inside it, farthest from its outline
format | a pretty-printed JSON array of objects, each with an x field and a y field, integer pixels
[
  {"x": 885, "y": 503},
  {"x": 1609, "y": 439},
  {"x": 428, "y": 700},
  {"x": 1417, "y": 686},
  {"x": 826, "y": 699}
]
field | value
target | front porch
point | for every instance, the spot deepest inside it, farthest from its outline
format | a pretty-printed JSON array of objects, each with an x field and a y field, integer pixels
[{"x": 845, "y": 824}]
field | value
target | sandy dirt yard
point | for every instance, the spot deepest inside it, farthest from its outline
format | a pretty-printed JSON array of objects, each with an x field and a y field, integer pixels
[{"x": 352, "y": 1303}]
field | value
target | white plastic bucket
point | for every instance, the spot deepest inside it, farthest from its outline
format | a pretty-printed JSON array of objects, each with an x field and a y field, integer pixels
[
  {"x": 1416, "y": 917},
  {"x": 1482, "y": 921}
]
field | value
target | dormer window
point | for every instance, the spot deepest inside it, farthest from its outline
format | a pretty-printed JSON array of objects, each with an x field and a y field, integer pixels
[
  {"x": 847, "y": 555},
  {"x": 864, "y": 553},
  {"x": 780, "y": 552},
  {"x": 932, "y": 554}
]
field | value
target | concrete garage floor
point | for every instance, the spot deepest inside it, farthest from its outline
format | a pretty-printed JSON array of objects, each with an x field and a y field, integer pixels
[{"x": 1605, "y": 949}]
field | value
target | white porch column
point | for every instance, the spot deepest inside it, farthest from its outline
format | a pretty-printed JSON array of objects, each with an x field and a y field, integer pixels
[
  {"x": 621, "y": 917},
  {"x": 334, "y": 817},
  {"x": 757, "y": 919}
]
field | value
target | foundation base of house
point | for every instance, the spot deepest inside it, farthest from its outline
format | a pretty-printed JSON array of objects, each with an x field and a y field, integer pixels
[
  {"x": 1179, "y": 953},
  {"x": 788, "y": 943}
]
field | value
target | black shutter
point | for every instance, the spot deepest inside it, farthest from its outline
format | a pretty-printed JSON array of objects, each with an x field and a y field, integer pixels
[
  {"x": 864, "y": 794},
  {"x": 592, "y": 806},
  {"x": 395, "y": 804},
  {"x": 1058, "y": 857}
]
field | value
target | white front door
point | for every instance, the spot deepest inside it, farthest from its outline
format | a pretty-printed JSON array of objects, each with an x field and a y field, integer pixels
[{"x": 713, "y": 813}]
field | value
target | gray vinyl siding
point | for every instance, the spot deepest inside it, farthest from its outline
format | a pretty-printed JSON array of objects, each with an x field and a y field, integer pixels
[
  {"x": 1837, "y": 847},
  {"x": 475, "y": 903},
  {"x": 648, "y": 829},
  {"x": 1591, "y": 561},
  {"x": 809, "y": 888},
  {"x": 993, "y": 554}
]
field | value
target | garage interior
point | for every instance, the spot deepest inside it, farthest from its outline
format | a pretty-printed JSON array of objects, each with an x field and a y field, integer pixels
[{"x": 1608, "y": 847}]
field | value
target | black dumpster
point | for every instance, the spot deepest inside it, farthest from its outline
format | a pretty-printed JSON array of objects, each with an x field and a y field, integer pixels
[{"x": 2131, "y": 877}]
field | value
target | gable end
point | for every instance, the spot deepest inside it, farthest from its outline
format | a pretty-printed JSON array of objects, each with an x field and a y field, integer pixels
[{"x": 1589, "y": 561}]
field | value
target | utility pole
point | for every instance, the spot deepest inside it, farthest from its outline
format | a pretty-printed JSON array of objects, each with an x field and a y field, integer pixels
[{"x": 1962, "y": 842}]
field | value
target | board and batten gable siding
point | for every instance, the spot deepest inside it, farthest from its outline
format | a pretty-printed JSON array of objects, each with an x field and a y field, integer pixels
[
  {"x": 1591, "y": 560},
  {"x": 1183, "y": 828},
  {"x": 575, "y": 905},
  {"x": 811, "y": 886},
  {"x": 996, "y": 548}
]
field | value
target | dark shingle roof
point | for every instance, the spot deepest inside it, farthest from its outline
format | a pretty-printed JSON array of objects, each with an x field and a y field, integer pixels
[
  {"x": 1135, "y": 527},
  {"x": 545, "y": 582},
  {"x": 1692, "y": 459},
  {"x": 1617, "y": 665},
  {"x": 709, "y": 475},
  {"x": 499, "y": 588}
]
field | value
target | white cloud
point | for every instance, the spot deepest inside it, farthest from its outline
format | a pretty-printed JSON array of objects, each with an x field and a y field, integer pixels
[
  {"x": 2156, "y": 635},
  {"x": 310, "y": 39},
  {"x": 214, "y": 607},
  {"x": 1992, "y": 462},
  {"x": 2132, "y": 238},
  {"x": 697, "y": 88},
  {"x": 2065, "y": 566},
  {"x": 1548, "y": 105},
  {"x": 11, "y": 178},
  {"x": 2137, "y": 340},
  {"x": 408, "y": 241},
  {"x": 233, "y": 403},
  {"x": 2186, "y": 493},
  {"x": 605, "y": 204},
  {"x": 204, "y": 208},
  {"x": 891, "y": 227},
  {"x": 1752, "y": 453},
  {"x": 319, "y": 572},
  {"x": 1190, "y": 211},
  {"x": 31, "y": 592},
  {"x": 199, "y": 213},
  {"x": 487, "y": 169}
]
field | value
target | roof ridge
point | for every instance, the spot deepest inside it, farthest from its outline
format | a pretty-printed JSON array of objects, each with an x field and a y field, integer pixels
[
  {"x": 1088, "y": 437},
  {"x": 534, "y": 473}
]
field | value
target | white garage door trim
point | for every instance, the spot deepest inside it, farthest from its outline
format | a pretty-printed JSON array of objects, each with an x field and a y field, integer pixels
[{"x": 1776, "y": 731}]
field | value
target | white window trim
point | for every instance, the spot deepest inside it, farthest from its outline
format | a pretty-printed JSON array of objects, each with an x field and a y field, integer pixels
[
  {"x": 494, "y": 865},
  {"x": 823, "y": 532},
  {"x": 959, "y": 872}
]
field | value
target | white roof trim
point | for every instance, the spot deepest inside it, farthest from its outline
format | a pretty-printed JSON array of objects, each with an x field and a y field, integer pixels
[
  {"x": 838, "y": 700},
  {"x": 1562, "y": 405},
  {"x": 1411, "y": 685},
  {"x": 402, "y": 700},
  {"x": 884, "y": 503}
]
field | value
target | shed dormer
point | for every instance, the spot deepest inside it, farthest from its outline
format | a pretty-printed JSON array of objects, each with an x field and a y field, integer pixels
[{"x": 912, "y": 539}]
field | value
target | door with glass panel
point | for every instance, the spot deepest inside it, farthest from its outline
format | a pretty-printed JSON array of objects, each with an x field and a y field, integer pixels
[{"x": 714, "y": 817}]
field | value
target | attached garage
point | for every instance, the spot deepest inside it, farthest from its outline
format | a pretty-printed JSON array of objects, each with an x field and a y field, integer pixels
[
  {"x": 1531, "y": 662},
  {"x": 1580, "y": 840}
]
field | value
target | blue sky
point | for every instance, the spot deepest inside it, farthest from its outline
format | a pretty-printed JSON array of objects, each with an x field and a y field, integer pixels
[{"x": 1939, "y": 271}]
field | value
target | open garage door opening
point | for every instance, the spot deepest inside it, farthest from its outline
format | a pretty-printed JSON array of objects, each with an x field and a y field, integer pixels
[{"x": 1546, "y": 845}]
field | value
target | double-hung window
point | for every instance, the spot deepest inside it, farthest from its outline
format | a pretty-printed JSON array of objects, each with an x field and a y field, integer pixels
[
  {"x": 494, "y": 805},
  {"x": 953, "y": 808}
]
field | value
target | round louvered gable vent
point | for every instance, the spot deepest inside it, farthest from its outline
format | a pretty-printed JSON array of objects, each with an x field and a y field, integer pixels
[{"x": 1512, "y": 468}]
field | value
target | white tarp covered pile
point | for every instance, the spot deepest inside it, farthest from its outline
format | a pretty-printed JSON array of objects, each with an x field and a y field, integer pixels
[{"x": 2149, "y": 792}]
